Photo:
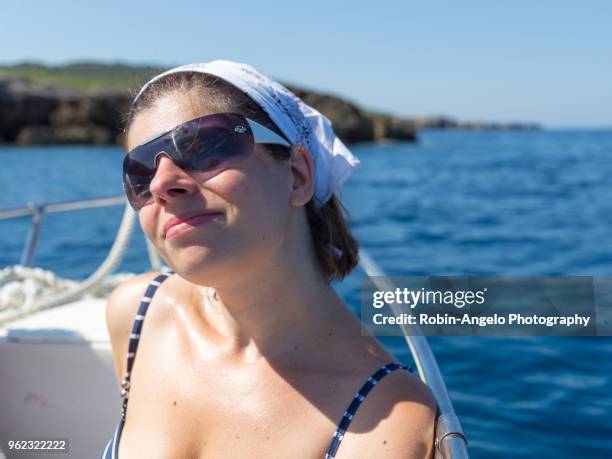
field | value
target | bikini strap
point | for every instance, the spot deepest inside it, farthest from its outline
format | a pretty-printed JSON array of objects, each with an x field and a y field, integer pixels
[
  {"x": 135, "y": 336},
  {"x": 348, "y": 415}
]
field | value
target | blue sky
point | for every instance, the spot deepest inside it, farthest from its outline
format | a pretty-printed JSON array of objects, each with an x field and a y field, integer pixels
[{"x": 545, "y": 61}]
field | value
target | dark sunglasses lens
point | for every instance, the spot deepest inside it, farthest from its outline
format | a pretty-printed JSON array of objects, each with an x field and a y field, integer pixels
[
  {"x": 138, "y": 171},
  {"x": 212, "y": 142}
]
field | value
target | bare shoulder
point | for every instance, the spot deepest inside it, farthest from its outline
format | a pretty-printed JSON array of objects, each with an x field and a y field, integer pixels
[
  {"x": 396, "y": 420},
  {"x": 121, "y": 309}
]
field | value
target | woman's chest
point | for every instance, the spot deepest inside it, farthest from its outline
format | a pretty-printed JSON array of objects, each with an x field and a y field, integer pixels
[
  {"x": 225, "y": 424},
  {"x": 185, "y": 406}
]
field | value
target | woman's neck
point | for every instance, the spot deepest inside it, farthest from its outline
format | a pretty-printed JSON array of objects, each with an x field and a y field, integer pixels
[
  {"x": 269, "y": 307},
  {"x": 266, "y": 315}
]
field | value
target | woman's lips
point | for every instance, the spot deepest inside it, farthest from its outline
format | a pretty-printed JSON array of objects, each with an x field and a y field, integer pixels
[{"x": 186, "y": 224}]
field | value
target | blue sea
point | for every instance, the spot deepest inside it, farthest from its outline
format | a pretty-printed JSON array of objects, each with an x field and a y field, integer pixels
[{"x": 455, "y": 203}]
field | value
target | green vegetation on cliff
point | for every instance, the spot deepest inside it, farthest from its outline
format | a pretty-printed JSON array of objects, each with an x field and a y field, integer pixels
[{"x": 83, "y": 75}]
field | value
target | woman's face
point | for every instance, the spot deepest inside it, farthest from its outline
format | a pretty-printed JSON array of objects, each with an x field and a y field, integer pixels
[{"x": 248, "y": 203}]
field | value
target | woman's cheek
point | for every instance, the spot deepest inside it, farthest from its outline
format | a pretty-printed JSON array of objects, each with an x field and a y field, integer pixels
[
  {"x": 147, "y": 223},
  {"x": 228, "y": 184}
]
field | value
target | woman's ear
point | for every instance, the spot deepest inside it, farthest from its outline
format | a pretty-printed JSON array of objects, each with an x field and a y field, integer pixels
[{"x": 302, "y": 176}]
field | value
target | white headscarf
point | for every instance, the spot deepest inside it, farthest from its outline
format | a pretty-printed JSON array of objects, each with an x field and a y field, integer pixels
[{"x": 300, "y": 123}]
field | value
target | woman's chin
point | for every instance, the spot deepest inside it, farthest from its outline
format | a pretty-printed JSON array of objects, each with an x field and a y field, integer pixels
[{"x": 200, "y": 265}]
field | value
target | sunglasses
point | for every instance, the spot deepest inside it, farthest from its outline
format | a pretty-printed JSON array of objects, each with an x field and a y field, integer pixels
[{"x": 208, "y": 144}]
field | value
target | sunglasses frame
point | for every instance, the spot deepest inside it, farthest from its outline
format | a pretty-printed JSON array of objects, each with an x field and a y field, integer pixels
[{"x": 260, "y": 135}]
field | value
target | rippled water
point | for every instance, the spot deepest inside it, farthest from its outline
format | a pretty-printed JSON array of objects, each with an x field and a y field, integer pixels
[{"x": 455, "y": 203}]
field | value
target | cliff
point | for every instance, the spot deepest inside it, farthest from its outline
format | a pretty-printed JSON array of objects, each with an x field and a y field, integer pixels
[
  {"x": 34, "y": 113},
  {"x": 86, "y": 103}
]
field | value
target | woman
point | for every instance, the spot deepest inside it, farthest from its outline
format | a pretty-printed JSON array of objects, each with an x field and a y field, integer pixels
[{"x": 247, "y": 350}]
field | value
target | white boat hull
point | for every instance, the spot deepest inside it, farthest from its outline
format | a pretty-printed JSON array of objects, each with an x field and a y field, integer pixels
[{"x": 57, "y": 380}]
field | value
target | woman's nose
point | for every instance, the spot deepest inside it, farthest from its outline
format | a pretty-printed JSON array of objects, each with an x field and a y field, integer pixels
[{"x": 170, "y": 181}]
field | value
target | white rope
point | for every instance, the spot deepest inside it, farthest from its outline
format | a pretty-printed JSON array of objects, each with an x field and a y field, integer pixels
[{"x": 24, "y": 291}]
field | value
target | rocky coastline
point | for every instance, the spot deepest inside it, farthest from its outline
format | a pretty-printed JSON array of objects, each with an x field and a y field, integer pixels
[{"x": 43, "y": 114}]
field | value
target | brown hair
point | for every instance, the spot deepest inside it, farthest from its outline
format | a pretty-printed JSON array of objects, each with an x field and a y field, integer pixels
[{"x": 335, "y": 247}]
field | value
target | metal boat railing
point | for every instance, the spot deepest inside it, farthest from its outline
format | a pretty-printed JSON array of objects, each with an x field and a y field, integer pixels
[
  {"x": 38, "y": 212},
  {"x": 450, "y": 441}
]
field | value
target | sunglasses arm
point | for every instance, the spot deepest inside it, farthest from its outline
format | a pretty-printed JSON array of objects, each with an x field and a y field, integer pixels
[{"x": 262, "y": 134}]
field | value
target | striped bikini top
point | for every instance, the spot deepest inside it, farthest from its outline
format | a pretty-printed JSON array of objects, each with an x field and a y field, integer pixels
[{"x": 112, "y": 448}]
